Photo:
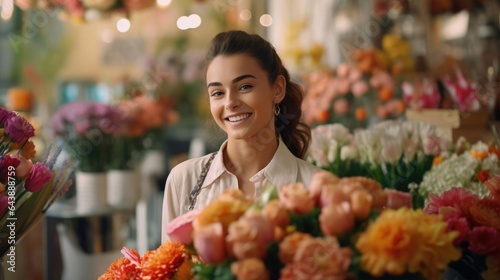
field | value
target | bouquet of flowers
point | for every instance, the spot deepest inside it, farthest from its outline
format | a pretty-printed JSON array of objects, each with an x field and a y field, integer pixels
[
  {"x": 333, "y": 149},
  {"x": 354, "y": 94},
  {"x": 338, "y": 229},
  {"x": 394, "y": 153},
  {"x": 87, "y": 128},
  {"x": 397, "y": 153},
  {"x": 477, "y": 222},
  {"x": 27, "y": 189},
  {"x": 468, "y": 167}
]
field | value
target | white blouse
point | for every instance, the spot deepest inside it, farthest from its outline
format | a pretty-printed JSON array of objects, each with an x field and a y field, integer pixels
[{"x": 283, "y": 169}]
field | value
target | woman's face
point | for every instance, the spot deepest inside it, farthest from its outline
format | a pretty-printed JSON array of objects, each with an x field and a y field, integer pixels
[{"x": 241, "y": 99}]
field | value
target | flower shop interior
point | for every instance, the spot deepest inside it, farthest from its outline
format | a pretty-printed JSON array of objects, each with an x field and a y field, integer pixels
[{"x": 100, "y": 99}]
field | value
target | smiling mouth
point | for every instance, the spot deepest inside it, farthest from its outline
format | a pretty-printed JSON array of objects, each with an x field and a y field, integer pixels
[{"x": 238, "y": 118}]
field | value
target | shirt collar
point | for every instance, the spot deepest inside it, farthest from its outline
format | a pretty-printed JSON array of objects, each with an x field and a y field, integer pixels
[{"x": 281, "y": 170}]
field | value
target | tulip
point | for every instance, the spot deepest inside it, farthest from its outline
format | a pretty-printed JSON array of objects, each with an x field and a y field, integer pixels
[
  {"x": 276, "y": 213},
  {"x": 209, "y": 243},
  {"x": 250, "y": 236},
  {"x": 295, "y": 197},
  {"x": 361, "y": 204},
  {"x": 336, "y": 219},
  {"x": 332, "y": 195},
  {"x": 180, "y": 229},
  {"x": 40, "y": 175},
  {"x": 24, "y": 168},
  {"x": 319, "y": 180},
  {"x": 398, "y": 199}
]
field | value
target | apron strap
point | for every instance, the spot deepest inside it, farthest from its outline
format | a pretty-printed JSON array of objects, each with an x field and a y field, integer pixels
[{"x": 196, "y": 190}]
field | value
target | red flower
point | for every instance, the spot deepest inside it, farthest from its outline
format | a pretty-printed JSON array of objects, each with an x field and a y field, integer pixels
[
  {"x": 462, "y": 226},
  {"x": 483, "y": 175},
  {"x": 40, "y": 175},
  {"x": 494, "y": 186},
  {"x": 125, "y": 268},
  {"x": 484, "y": 240},
  {"x": 5, "y": 162},
  {"x": 458, "y": 198},
  {"x": 18, "y": 128}
]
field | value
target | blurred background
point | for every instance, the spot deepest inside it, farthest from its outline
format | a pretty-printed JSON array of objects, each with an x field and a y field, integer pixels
[{"x": 360, "y": 62}]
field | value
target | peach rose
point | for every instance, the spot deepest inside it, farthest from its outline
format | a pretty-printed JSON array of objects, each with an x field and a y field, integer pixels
[
  {"x": 341, "y": 106},
  {"x": 276, "y": 213},
  {"x": 332, "y": 195},
  {"x": 398, "y": 199},
  {"x": 209, "y": 243},
  {"x": 322, "y": 257},
  {"x": 180, "y": 229},
  {"x": 320, "y": 179},
  {"x": 295, "y": 197},
  {"x": 24, "y": 168},
  {"x": 361, "y": 204},
  {"x": 250, "y": 235},
  {"x": 336, "y": 219},
  {"x": 289, "y": 245},
  {"x": 250, "y": 269}
]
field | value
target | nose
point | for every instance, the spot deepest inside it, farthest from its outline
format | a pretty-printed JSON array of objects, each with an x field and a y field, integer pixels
[{"x": 232, "y": 101}]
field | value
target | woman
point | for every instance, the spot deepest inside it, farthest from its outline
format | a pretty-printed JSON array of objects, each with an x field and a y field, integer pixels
[{"x": 253, "y": 100}]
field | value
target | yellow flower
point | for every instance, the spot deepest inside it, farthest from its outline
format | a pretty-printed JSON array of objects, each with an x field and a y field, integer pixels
[
  {"x": 404, "y": 240},
  {"x": 223, "y": 210},
  {"x": 435, "y": 249}
]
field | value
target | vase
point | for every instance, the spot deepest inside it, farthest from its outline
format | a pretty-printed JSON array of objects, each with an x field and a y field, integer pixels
[
  {"x": 91, "y": 191},
  {"x": 123, "y": 188}
]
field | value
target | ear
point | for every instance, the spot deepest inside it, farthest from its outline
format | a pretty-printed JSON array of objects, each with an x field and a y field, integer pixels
[{"x": 279, "y": 89}]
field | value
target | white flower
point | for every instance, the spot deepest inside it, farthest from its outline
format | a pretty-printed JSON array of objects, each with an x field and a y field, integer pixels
[
  {"x": 391, "y": 150},
  {"x": 332, "y": 150},
  {"x": 348, "y": 152}
]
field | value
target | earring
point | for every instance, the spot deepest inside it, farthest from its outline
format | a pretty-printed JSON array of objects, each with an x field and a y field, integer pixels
[{"x": 277, "y": 110}]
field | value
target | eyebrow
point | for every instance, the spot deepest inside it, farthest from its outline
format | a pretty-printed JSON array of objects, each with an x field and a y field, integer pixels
[{"x": 235, "y": 80}]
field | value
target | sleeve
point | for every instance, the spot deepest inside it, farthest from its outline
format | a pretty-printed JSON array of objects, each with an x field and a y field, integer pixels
[{"x": 171, "y": 203}]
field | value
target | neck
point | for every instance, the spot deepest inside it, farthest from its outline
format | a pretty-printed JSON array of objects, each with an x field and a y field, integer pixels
[{"x": 244, "y": 158}]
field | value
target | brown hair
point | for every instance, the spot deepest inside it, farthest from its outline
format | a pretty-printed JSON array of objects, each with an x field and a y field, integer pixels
[{"x": 295, "y": 134}]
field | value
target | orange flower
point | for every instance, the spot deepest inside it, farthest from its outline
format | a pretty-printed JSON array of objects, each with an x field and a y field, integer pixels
[
  {"x": 28, "y": 151},
  {"x": 163, "y": 262},
  {"x": 437, "y": 160},
  {"x": 483, "y": 175},
  {"x": 123, "y": 268},
  {"x": 250, "y": 269},
  {"x": 295, "y": 197},
  {"x": 494, "y": 186},
  {"x": 323, "y": 116},
  {"x": 222, "y": 210},
  {"x": 404, "y": 240},
  {"x": 289, "y": 245},
  {"x": 478, "y": 154},
  {"x": 486, "y": 212},
  {"x": 493, "y": 150},
  {"x": 385, "y": 94},
  {"x": 360, "y": 114}
]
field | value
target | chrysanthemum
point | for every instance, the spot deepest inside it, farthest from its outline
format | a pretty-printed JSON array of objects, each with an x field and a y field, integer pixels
[
  {"x": 125, "y": 268},
  {"x": 163, "y": 262},
  {"x": 486, "y": 212}
]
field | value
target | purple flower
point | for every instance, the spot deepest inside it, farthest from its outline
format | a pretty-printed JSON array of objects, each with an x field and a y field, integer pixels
[
  {"x": 18, "y": 128},
  {"x": 5, "y": 162},
  {"x": 3, "y": 204},
  {"x": 40, "y": 175},
  {"x": 4, "y": 115}
]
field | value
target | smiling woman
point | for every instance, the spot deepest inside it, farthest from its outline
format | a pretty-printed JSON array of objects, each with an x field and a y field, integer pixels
[{"x": 253, "y": 100}]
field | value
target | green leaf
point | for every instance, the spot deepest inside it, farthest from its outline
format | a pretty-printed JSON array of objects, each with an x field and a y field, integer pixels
[{"x": 307, "y": 223}]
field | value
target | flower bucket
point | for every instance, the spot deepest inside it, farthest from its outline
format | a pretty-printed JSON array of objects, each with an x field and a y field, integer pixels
[
  {"x": 123, "y": 188},
  {"x": 91, "y": 191}
]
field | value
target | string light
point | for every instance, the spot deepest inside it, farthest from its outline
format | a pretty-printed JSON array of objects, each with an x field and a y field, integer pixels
[
  {"x": 7, "y": 9},
  {"x": 246, "y": 14},
  {"x": 187, "y": 22},
  {"x": 266, "y": 20},
  {"x": 163, "y": 3}
]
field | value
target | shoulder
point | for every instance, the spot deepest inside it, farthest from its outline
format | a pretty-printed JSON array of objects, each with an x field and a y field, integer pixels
[
  {"x": 306, "y": 170},
  {"x": 189, "y": 168}
]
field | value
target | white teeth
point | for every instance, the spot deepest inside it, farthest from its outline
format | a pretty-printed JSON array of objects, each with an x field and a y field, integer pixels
[{"x": 238, "y": 118}]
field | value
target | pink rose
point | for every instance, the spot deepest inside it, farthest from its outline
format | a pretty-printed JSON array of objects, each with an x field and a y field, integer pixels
[
  {"x": 319, "y": 180},
  {"x": 343, "y": 86},
  {"x": 343, "y": 70},
  {"x": 180, "y": 229},
  {"x": 341, "y": 106},
  {"x": 359, "y": 89},
  {"x": 332, "y": 195},
  {"x": 276, "y": 213},
  {"x": 318, "y": 258},
  {"x": 209, "y": 243},
  {"x": 398, "y": 199},
  {"x": 250, "y": 269},
  {"x": 295, "y": 198},
  {"x": 336, "y": 219}
]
